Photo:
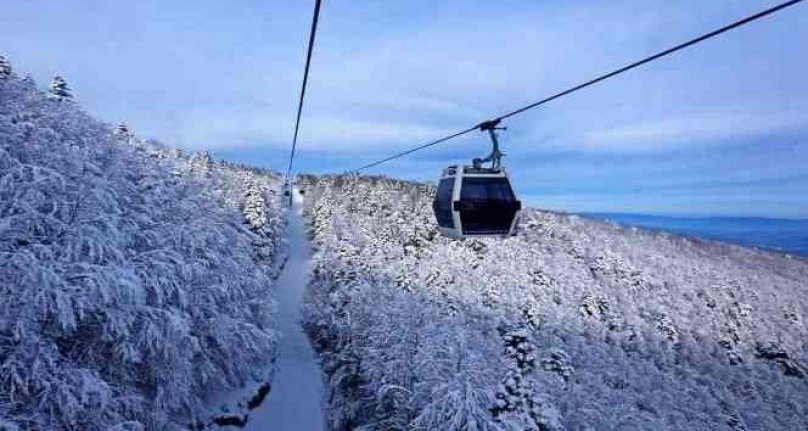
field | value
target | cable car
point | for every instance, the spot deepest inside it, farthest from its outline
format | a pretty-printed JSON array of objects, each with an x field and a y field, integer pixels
[
  {"x": 287, "y": 188},
  {"x": 476, "y": 200}
]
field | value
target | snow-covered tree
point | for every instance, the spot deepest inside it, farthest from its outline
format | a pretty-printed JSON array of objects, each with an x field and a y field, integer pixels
[
  {"x": 122, "y": 131},
  {"x": 201, "y": 160},
  {"x": 574, "y": 324},
  {"x": 5, "y": 67},
  {"x": 28, "y": 82},
  {"x": 59, "y": 89},
  {"x": 129, "y": 287}
]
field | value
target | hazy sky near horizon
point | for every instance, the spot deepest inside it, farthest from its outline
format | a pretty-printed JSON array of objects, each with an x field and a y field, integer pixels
[{"x": 718, "y": 129}]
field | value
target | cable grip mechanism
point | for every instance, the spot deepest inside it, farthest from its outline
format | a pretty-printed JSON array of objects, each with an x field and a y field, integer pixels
[{"x": 496, "y": 155}]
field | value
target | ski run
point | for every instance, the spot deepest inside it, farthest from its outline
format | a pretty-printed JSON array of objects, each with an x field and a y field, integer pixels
[{"x": 294, "y": 403}]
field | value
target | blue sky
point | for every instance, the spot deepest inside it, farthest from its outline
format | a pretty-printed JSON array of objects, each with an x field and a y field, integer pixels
[{"x": 719, "y": 129}]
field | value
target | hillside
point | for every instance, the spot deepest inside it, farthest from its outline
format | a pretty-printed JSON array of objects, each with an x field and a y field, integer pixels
[
  {"x": 574, "y": 324},
  {"x": 134, "y": 280},
  {"x": 137, "y": 285}
]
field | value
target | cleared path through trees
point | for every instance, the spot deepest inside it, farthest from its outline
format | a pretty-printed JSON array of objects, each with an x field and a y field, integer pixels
[{"x": 294, "y": 402}]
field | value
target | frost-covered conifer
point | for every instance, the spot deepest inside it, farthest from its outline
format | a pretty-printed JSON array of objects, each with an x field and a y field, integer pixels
[
  {"x": 616, "y": 328},
  {"x": 122, "y": 131},
  {"x": 129, "y": 289},
  {"x": 27, "y": 82},
  {"x": 59, "y": 89},
  {"x": 201, "y": 160},
  {"x": 5, "y": 67}
]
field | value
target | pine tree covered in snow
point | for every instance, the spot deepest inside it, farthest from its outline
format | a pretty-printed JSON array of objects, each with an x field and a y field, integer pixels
[
  {"x": 59, "y": 90},
  {"x": 5, "y": 67},
  {"x": 573, "y": 324},
  {"x": 122, "y": 131},
  {"x": 130, "y": 287},
  {"x": 201, "y": 162}
]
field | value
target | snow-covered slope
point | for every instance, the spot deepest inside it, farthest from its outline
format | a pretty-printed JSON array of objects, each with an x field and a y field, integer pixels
[
  {"x": 574, "y": 324},
  {"x": 134, "y": 280}
]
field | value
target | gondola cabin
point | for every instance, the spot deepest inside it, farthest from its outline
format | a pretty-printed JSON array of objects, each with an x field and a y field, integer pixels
[{"x": 475, "y": 201}]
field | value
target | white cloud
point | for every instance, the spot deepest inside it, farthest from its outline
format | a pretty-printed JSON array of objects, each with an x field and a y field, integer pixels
[
  {"x": 355, "y": 134},
  {"x": 689, "y": 130},
  {"x": 322, "y": 132}
]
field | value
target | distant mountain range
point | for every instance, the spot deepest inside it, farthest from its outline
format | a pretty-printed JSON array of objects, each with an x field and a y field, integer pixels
[{"x": 786, "y": 235}]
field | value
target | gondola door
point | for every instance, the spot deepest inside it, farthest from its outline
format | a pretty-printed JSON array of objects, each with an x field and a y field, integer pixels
[{"x": 487, "y": 206}]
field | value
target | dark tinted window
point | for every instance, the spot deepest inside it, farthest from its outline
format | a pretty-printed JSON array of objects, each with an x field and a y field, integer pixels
[
  {"x": 488, "y": 206},
  {"x": 443, "y": 203},
  {"x": 496, "y": 189}
]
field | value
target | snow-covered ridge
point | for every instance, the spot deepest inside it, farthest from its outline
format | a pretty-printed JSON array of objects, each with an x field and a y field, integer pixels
[
  {"x": 574, "y": 324},
  {"x": 134, "y": 280}
]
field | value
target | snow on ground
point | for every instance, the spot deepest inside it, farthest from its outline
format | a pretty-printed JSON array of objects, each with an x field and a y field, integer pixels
[
  {"x": 295, "y": 400},
  {"x": 135, "y": 281},
  {"x": 136, "y": 286},
  {"x": 292, "y": 400},
  {"x": 574, "y": 324}
]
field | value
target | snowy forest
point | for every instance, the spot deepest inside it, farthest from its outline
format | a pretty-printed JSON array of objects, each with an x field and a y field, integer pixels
[
  {"x": 573, "y": 324},
  {"x": 134, "y": 279},
  {"x": 137, "y": 285}
]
